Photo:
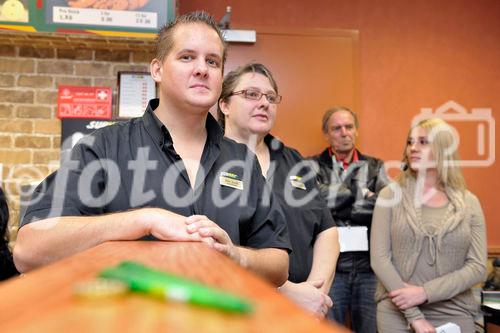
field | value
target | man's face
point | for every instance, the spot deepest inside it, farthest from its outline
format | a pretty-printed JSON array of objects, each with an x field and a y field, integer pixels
[
  {"x": 191, "y": 74},
  {"x": 342, "y": 132}
]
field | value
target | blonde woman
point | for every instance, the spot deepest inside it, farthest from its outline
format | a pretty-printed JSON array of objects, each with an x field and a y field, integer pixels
[{"x": 428, "y": 238}]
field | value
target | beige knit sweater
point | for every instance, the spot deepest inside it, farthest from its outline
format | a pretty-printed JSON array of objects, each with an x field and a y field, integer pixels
[{"x": 457, "y": 247}]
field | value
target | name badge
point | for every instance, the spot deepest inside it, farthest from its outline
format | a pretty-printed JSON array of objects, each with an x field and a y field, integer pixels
[
  {"x": 230, "y": 180},
  {"x": 353, "y": 239},
  {"x": 448, "y": 328},
  {"x": 296, "y": 182}
]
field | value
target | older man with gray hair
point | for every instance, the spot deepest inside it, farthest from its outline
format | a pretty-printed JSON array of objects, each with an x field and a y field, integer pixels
[{"x": 350, "y": 182}]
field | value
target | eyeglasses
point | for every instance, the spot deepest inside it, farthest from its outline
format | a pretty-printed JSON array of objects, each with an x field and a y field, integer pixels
[{"x": 257, "y": 95}]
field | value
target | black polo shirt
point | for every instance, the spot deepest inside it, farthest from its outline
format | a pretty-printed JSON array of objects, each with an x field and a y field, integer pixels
[
  {"x": 294, "y": 184},
  {"x": 133, "y": 164}
]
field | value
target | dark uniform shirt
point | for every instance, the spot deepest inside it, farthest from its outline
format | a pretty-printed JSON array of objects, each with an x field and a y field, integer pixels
[
  {"x": 294, "y": 184},
  {"x": 134, "y": 164}
]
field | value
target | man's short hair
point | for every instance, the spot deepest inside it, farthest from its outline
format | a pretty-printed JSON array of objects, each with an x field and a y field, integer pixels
[
  {"x": 329, "y": 112},
  {"x": 165, "y": 41}
]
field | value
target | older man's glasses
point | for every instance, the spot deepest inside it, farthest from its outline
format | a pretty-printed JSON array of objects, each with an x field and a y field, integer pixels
[{"x": 257, "y": 95}]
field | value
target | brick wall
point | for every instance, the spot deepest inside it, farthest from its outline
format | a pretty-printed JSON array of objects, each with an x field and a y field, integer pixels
[{"x": 32, "y": 66}]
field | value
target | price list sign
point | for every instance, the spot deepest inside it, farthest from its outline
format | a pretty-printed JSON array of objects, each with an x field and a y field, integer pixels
[
  {"x": 117, "y": 18},
  {"x": 113, "y": 15},
  {"x": 121, "y": 18},
  {"x": 135, "y": 91}
]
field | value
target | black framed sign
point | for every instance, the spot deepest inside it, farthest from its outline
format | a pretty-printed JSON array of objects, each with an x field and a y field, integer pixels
[
  {"x": 135, "y": 89},
  {"x": 72, "y": 130}
]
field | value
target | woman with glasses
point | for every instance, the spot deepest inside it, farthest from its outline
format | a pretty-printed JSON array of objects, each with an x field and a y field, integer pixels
[
  {"x": 247, "y": 111},
  {"x": 428, "y": 240}
]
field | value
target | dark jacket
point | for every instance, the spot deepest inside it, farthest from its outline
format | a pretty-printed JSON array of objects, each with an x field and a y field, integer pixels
[{"x": 343, "y": 190}]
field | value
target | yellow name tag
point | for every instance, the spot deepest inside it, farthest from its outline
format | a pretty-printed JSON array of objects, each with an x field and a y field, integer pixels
[
  {"x": 296, "y": 182},
  {"x": 230, "y": 180}
]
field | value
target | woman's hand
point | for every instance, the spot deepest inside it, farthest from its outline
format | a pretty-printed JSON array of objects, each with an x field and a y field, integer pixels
[
  {"x": 422, "y": 326},
  {"x": 408, "y": 297},
  {"x": 308, "y": 296}
]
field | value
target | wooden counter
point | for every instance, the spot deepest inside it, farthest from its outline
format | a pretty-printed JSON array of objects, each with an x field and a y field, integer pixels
[{"x": 43, "y": 300}]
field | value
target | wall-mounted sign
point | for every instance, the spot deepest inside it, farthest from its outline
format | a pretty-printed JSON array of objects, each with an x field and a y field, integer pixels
[
  {"x": 135, "y": 18},
  {"x": 84, "y": 102},
  {"x": 110, "y": 18},
  {"x": 135, "y": 89},
  {"x": 133, "y": 14}
]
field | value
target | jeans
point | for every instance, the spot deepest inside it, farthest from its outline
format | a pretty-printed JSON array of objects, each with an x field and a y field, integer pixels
[{"x": 354, "y": 292}]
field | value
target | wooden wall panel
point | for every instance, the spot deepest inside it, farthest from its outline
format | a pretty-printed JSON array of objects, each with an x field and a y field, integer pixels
[{"x": 307, "y": 66}]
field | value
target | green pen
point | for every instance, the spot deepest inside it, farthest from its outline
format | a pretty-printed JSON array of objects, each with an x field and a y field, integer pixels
[{"x": 160, "y": 284}]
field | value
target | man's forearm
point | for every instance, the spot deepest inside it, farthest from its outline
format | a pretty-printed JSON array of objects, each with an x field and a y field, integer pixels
[
  {"x": 46, "y": 241},
  {"x": 51, "y": 239},
  {"x": 270, "y": 263}
]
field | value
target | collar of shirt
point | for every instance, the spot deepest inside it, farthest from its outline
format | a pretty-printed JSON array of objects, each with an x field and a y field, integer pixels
[
  {"x": 343, "y": 162},
  {"x": 162, "y": 136},
  {"x": 274, "y": 145}
]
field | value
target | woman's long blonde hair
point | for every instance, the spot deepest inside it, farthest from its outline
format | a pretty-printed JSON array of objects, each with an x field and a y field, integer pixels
[{"x": 444, "y": 147}]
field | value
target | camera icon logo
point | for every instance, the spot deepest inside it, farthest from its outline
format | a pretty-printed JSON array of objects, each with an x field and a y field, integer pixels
[{"x": 476, "y": 129}]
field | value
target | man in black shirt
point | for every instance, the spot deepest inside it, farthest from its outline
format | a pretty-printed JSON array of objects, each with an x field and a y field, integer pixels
[{"x": 169, "y": 174}]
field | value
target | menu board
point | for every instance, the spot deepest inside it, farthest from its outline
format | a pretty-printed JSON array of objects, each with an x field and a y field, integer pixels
[
  {"x": 133, "y": 14},
  {"x": 135, "y": 89},
  {"x": 117, "y": 18},
  {"x": 139, "y": 18}
]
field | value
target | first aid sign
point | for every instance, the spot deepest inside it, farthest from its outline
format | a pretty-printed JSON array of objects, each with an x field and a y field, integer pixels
[{"x": 84, "y": 102}]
